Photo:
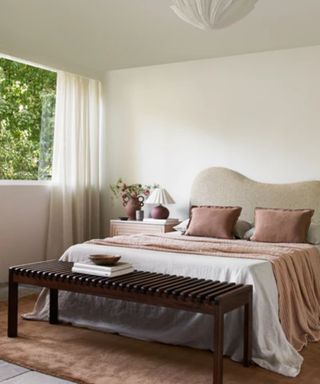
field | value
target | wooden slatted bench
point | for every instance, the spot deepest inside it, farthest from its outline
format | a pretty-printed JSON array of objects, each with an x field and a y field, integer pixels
[{"x": 185, "y": 293}]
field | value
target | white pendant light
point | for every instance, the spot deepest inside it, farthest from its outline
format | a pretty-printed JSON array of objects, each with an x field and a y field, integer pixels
[{"x": 212, "y": 14}]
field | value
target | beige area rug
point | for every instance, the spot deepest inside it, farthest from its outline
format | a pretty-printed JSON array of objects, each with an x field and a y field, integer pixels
[{"x": 92, "y": 357}]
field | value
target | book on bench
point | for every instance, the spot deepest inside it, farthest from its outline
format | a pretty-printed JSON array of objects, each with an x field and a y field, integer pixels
[{"x": 119, "y": 269}]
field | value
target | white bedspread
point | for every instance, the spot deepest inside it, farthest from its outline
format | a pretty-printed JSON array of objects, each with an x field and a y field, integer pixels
[{"x": 271, "y": 349}]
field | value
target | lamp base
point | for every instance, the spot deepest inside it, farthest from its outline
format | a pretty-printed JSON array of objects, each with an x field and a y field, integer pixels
[{"x": 160, "y": 212}]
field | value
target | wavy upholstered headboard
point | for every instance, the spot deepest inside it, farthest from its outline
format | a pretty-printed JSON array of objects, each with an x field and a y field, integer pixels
[{"x": 222, "y": 186}]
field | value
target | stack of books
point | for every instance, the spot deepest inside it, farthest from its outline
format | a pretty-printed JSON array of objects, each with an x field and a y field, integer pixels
[
  {"x": 161, "y": 221},
  {"x": 100, "y": 270}
]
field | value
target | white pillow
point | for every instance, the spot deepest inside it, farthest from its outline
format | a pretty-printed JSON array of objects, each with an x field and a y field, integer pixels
[
  {"x": 248, "y": 234},
  {"x": 182, "y": 227},
  {"x": 313, "y": 236},
  {"x": 241, "y": 228}
]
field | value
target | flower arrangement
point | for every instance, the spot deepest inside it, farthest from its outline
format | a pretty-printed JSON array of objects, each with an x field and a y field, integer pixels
[{"x": 124, "y": 191}]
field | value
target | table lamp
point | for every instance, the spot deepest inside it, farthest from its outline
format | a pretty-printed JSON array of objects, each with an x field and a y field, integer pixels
[{"x": 160, "y": 196}]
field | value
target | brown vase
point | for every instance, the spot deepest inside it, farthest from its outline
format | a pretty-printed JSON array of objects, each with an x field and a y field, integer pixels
[{"x": 131, "y": 205}]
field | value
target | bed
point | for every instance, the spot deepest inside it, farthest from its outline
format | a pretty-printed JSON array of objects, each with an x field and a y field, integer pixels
[{"x": 214, "y": 186}]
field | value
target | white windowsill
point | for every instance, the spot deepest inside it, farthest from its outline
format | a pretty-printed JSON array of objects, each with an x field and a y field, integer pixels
[{"x": 24, "y": 182}]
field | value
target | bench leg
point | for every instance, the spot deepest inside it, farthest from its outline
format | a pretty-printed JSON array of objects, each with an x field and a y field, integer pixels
[
  {"x": 53, "y": 307},
  {"x": 12, "y": 307},
  {"x": 247, "y": 342},
  {"x": 218, "y": 335}
]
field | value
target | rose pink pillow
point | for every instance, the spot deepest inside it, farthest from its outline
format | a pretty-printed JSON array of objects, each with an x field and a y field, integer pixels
[
  {"x": 282, "y": 225},
  {"x": 213, "y": 221}
]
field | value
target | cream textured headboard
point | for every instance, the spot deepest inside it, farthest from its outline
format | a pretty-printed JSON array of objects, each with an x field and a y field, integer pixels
[{"x": 222, "y": 186}]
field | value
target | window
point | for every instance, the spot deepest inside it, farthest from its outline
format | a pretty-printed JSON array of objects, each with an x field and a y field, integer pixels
[{"x": 27, "y": 106}]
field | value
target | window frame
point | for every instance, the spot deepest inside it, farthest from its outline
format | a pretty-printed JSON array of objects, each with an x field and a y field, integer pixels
[{"x": 25, "y": 183}]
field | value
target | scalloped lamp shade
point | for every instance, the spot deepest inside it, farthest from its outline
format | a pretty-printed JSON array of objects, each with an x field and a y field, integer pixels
[
  {"x": 212, "y": 14},
  {"x": 160, "y": 196}
]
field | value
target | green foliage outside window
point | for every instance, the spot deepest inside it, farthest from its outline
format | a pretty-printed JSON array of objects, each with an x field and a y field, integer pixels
[{"x": 27, "y": 105}]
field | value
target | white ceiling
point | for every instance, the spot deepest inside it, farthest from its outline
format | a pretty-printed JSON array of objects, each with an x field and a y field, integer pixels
[{"x": 92, "y": 36}]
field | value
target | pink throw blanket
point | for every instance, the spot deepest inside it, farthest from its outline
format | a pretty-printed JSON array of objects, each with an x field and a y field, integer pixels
[{"x": 296, "y": 268}]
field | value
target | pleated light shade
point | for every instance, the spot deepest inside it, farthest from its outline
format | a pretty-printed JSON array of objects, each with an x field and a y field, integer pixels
[{"x": 160, "y": 196}]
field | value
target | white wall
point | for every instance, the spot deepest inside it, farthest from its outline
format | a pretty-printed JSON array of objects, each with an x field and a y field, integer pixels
[
  {"x": 23, "y": 225},
  {"x": 257, "y": 113}
]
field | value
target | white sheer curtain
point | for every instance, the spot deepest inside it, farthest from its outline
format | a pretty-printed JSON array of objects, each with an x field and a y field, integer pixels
[{"x": 75, "y": 202}]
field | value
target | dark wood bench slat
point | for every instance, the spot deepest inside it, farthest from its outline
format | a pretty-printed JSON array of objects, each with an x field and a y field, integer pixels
[
  {"x": 93, "y": 280},
  {"x": 202, "y": 295},
  {"x": 159, "y": 288},
  {"x": 141, "y": 280},
  {"x": 197, "y": 291},
  {"x": 27, "y": 272},
  {"x": 238, "y": 289},
  {"x": 102, "y": 281},
  {"x": 50, "y": 275},
  {"x": 113, "y": 281},
  {"x": 212, "y": 296},
  {"x": 136, "y": 287},
  {"x": 157, "y": 283},
  {"x": 69, "y": 277},
  {"x": 51, "y": 267},
  {"x": 40, "y": 274},
  {"x": 58, "y": 276},
  {"x": 64, "y": 277},
  {"x": 133, "y": 278},
  {"x": 46, "y": 274},
  {"x": 130, "y": 277},
  {"x": 81, "y": 278},
  {"x": 194, "y": 285},
  {"x": 183, "y": 284},
  {"x": 33, "y": 273},
  {"x": 137, "y": 284},
  {"x": 204, "y": 284}
]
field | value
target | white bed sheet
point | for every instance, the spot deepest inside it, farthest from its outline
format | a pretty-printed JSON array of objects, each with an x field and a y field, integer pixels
[{"x": 271, "y": 349}]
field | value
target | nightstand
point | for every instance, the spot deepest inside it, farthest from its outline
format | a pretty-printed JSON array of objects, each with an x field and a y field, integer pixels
[{"x": 130, "y": 227}]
